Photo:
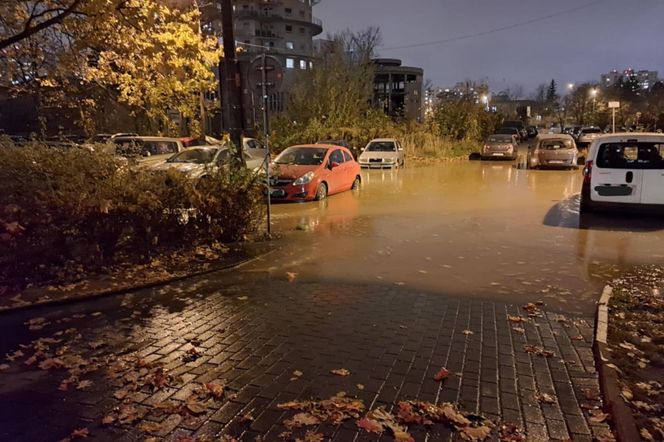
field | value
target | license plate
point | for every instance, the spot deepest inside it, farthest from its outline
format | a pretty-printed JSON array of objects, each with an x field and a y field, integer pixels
[
  {"x": 498, "y": 154},
  {"x": 278, "y": 193}
]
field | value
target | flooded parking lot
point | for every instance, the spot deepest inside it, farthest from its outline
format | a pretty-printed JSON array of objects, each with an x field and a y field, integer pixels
[{"x": 484, "y": 229}]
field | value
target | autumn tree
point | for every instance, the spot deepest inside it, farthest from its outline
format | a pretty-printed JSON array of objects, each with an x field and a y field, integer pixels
[{"x": 140, "y": 54}]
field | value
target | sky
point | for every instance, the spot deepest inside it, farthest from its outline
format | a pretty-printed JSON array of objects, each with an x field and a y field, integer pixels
[{"x": 575, "y": 44}]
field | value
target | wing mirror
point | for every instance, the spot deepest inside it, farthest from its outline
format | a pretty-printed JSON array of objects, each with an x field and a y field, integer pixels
[{"x": 334, "y": 165}]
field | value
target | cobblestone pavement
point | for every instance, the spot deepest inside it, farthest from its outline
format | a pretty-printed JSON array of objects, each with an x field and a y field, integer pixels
[{"x": 253, "y": 336}]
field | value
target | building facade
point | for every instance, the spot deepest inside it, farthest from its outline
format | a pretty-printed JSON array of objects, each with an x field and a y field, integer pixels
[
  {"x": 644, "y": 79},
  {"x": 283, "y": 29},
  {"x": 398, "y": 89}
]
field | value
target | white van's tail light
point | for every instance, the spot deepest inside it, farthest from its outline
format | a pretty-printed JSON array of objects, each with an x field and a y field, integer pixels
[{"x": 588, "y": 172}]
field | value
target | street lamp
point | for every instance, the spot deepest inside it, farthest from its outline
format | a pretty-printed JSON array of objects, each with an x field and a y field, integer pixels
[{"x": 485, "y": 100}]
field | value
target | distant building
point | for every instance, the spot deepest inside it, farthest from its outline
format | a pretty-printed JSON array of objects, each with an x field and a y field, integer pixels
[
  {"x": 283, "y": 29},
  {"x": 643, "y": 78},
  {"x": 398, "y": 89}
]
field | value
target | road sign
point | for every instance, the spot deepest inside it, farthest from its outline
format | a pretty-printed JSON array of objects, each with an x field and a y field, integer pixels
[
  {"x": 274, "y": 73},
  {"x": 614, "y": 104}
]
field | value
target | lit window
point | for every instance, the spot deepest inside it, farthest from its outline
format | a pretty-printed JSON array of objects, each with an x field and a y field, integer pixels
[
  {"x": 290, "y": 63},
  {"x": 311, "y": 65},
  {"x": 303, "y": 64},
  {"x": 289, "y": 45}
]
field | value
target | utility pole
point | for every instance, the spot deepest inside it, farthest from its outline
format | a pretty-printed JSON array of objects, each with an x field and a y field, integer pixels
[{"x": 231, "y": 83}]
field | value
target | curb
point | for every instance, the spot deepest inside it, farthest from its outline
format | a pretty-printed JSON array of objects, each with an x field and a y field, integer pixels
[
  {"x": 143, "y": 286},
  {"x": 624, "y": 425}
]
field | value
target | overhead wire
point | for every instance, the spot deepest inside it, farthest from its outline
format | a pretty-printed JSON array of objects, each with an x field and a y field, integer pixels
[{"x": 496, "y": 30}]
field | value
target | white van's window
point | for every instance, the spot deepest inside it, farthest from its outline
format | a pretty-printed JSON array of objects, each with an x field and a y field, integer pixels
[{"x": 631, "y": 156}]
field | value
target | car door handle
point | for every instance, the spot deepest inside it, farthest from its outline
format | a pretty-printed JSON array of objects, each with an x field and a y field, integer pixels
[{"x": 629, "y": 177}]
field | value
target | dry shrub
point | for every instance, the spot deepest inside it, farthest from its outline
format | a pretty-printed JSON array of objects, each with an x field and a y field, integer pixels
[{"x": 74, "y": 209}]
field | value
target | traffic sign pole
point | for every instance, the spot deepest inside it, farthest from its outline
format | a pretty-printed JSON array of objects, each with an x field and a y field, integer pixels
[{"x": 266, "y": 75}]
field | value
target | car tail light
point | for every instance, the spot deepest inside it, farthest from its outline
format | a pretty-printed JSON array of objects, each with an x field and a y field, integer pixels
[{"x": 588, "y": 172}]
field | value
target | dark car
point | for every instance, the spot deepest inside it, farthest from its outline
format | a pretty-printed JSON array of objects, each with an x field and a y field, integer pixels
[{"x": 505, "y": 130}]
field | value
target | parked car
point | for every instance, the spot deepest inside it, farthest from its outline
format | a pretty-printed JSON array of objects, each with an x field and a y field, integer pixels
[
  {"x": 509, "y": 131},
  {"x": 531, "y": 131},
  {"x": 312, "y": 172},
  {"x": 500, "y": 146},
  {"x": 199, "y": 161},
  {"x": 382, "y": 153},
  {"x": 587, "y": 135},
  {"x": 148, "y": 150},
  {"x": 624, "y": 171},
  {"x": 553, "y": 151}
]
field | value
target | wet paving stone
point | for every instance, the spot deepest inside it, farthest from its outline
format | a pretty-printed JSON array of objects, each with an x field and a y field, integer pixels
[{"x": 391, "y": 340}]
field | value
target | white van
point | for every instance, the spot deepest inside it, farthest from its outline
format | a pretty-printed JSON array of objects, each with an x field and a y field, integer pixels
[{"x": 624, "y": 171}]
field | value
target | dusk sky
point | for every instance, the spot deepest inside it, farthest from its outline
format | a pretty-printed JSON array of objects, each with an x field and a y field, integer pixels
[{"x": 576, "y": 46}]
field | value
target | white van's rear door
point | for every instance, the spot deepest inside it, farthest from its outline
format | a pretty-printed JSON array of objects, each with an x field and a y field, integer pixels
[
  {"x": 652, "y": 191},
  {"x": 616, "y": 177}
]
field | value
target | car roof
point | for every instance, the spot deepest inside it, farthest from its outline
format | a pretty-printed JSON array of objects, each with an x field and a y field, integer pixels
[
  {"x": 147, "y": 138},
  {"x": 315, "y": 146},
  {"x": 383, "y": 140},
  {"x": 555, "y": 137},
  {"x": 627, "y": 136}
]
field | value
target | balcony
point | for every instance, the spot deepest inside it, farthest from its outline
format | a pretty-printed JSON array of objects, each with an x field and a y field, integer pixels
[{"x": 315, "y": 23}]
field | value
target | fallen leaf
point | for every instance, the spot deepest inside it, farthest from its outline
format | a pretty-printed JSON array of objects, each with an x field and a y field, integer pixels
[
  {"x": 107, "y": 420},
  {"x": 51, "y": 364},
  {"x": 475, "y": 433},
  {"x": 545, "y": 398},
  {"x": 243, "y": 298},
  {"x": 370, "y": 425},
  {"x": 297, "y": 373},
  {"x": 442, "y": 374},
  {"x": 80, "y": 433},
  {"x": 84, "y": 384},
  {"x": 291, "y": 276},
  {"x": 301, "y": 420},
  {"x": 4, "y": 367},
  {"x": 467, "y": 332},
  {"x": 598, "y": 417},
  {"x": 516, "y": 319},
  {"x": 311, "y": 436},
  {"x": 216, "y": 390},
  {"x": 360, "y": 386},
  {"x": 195, "y": 408},
  {"x": 340, "y": 372}
]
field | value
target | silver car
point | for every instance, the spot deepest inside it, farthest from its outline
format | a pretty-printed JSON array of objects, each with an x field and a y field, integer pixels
[
  {"x": 502, "y": 146},
  {"x": 382, "y": 153},
  {"x": 148, "y": 150},
  {"x": 200, "y": 161},
  {"x": 553, "y": 151}
]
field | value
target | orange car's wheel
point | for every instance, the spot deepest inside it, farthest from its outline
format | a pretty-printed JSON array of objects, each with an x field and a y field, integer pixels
[
  {"x": 321, "y": 192},
  {"x": 357, "y": 183}
]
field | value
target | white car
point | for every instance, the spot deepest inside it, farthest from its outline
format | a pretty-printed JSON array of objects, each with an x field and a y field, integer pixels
[
  {"x": 200, "y": 161},
  {"x": 587, "y": 136},
  {"x": 624, "y": 171},
  {"x": 382, "y": 153}
]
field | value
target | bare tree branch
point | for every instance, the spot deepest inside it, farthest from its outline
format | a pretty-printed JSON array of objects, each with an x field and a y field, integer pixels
[{"x": 28, "y": 31}]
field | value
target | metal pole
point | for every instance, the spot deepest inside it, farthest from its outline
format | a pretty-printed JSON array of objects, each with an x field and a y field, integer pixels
[
  {"x": 230, "y": 77},
  {"x": 266, "y": 132},
  {"x": 614, "y": 120}
]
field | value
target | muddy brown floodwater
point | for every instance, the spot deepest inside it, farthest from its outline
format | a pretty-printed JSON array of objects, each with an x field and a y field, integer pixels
[{"x": 483, "y": 229}]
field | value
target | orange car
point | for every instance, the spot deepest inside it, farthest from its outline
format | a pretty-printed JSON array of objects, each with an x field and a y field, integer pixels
[{"x": 312, "y": 172}]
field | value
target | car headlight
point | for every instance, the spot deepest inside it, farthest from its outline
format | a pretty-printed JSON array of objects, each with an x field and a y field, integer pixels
[{"x": 304, "y": 179}]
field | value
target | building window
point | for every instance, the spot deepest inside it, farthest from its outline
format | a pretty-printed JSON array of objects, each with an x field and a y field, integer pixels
[
  {"x": 289, "y": 45},
  {"x": 290, "y": 63},
  {"x": 289, "y": 28},
  {"x": 303, "y": 64},
  {"x": 311, "y": 65},
  {"x": 289, "y": 11},
  {"x": 302, "y": 30}
]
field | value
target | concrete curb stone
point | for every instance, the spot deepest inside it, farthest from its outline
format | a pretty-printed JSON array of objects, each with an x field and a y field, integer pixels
[{"x": 624, "y": 425}]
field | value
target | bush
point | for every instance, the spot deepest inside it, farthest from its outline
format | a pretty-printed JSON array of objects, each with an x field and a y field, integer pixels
[{"x": 77, "y": 210}]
